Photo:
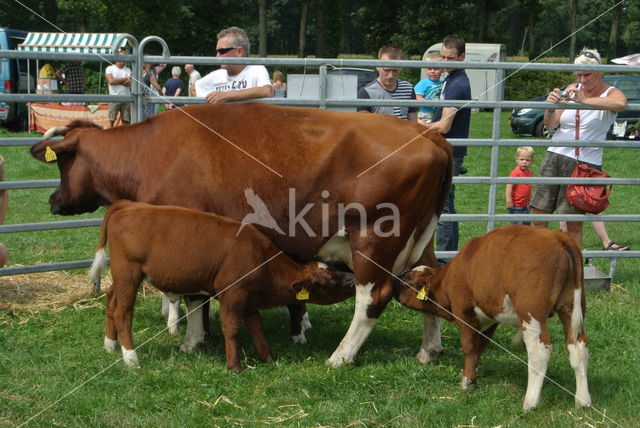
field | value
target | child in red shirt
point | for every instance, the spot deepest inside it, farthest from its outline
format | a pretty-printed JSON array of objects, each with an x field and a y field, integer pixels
[{"x": 518, "y": 195}]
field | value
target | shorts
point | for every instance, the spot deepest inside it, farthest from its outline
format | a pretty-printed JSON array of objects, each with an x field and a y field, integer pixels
[
  {"x": 123, "y": 108},
  {"x": 550, "y": 197}
]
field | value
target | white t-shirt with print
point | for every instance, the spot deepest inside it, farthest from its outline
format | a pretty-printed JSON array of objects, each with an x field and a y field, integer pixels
[{"x": 252, "y": 76}]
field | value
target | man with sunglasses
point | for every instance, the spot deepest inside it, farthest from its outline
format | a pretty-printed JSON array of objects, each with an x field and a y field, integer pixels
[
  {"x": 234, "y": 82},
  {"x": 388, "y": 86}
]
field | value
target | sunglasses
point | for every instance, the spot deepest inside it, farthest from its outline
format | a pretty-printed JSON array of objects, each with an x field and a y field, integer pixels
[
  {"x": 589, "y": 55},
  {"x": 223, "y": 51}
]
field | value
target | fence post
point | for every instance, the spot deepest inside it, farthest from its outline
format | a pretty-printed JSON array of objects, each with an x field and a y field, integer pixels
[{"x": 495, "y": 149}]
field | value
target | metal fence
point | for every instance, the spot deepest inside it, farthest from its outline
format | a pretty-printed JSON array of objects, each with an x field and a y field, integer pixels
[{"x": 139, "y": 98}]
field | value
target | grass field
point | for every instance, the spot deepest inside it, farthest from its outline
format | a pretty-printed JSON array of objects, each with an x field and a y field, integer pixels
[{"x": 54, "y": 372}]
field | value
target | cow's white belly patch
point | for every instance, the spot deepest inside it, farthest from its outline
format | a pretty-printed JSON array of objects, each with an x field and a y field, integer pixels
[
  {"x": 507, "y": 316},
  {"x": 337, "y": 250}
]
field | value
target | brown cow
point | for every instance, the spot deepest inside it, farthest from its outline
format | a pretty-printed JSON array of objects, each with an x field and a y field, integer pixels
[
  {"x": 186, "y": 252},
  {"x": 362, "y": 189},
  {"x": 518, "y": 275}
]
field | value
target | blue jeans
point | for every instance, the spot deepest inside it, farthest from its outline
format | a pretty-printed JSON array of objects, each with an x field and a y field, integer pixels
[
  {"x": 519, "y": 210},
  {"x": 447, "y": 232}
]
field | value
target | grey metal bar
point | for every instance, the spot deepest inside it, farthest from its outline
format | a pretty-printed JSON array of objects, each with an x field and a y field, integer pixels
[
  {"x": 31, "y": 184},
  {"x": 50, "y": 225},
  {"x": 20, "y": 270}
]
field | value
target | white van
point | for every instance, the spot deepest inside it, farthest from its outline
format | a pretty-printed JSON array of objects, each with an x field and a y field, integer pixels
[{"x": 483, "y": 82}]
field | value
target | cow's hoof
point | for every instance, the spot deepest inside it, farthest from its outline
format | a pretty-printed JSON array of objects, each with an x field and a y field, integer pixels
[
  {"x": 173, "y": 329},
  {"x": 300, "y": 338},
  {"x": 467, "y": 384},
  {"x": 338, "y": 361},
  {"x": 130, "y": 358},
  {"x": 583, "y": 402},
  {"x": 188, "y": 347},
  {"x": 425, "y": 356},
  {"x": 110, "y": 344},
  {"x": 237, "y": 369}
]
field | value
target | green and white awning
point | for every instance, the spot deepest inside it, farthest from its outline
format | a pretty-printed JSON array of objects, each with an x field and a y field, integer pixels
[{"x": 70, "y": 42}]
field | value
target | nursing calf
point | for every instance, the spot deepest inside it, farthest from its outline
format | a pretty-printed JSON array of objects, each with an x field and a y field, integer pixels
[
  {"x": 187, "y": 252},
  {"x": 518, "y": 275}
]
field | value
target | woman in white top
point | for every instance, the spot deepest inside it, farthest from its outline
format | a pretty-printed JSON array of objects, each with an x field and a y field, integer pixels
[{"x": 571, "y": 124}]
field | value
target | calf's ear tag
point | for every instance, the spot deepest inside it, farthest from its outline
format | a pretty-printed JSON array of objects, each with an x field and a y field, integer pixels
[
  {"x": 422, "y": 294},
  {"x": 302, "y": 294},
  {"x": 50, "y": 155}
]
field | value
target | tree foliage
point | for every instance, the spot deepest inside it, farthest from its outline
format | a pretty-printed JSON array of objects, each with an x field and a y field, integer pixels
[{"x": 333, "y": 27}]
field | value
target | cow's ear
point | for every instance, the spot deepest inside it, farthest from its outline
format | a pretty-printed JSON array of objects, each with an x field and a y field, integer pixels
[{"x": 48, "y": 151}]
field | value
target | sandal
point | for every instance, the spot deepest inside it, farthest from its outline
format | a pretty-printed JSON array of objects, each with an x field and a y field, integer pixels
[{"x": 615, "y": 247}]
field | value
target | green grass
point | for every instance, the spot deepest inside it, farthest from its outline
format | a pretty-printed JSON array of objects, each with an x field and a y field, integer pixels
[
  {"x": 45, "y": 358},
  {"x": 53, "y": 362}
]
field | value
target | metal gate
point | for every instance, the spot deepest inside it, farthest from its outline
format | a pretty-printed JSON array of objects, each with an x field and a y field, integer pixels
[{"x": 138, "y": 97}]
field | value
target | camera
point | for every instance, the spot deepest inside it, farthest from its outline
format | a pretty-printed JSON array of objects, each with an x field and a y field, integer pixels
[{"x": 564, "y": 95}]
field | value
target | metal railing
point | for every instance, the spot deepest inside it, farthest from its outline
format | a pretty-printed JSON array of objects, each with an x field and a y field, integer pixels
[{"x": 139, "y": 98}]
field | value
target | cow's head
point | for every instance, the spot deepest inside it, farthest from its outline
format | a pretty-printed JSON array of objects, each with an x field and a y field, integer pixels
[
  {"x": 75, "y": 194},
  {"x": 412, "y": 289},
  {"x": 324, "y": 285}
]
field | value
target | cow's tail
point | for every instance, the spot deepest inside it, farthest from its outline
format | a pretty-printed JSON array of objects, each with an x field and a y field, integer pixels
[
  {"x": 575, "y": 286},
  {"x": 100, "y": 259}
]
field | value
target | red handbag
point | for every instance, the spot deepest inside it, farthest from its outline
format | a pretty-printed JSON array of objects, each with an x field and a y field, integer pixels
[{"x": 593, "y": 198}]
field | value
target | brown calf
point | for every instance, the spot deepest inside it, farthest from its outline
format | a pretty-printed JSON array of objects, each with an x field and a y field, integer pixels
[
  {"x": 186, "y": 252},
  {"x": 517, "y": 275}
]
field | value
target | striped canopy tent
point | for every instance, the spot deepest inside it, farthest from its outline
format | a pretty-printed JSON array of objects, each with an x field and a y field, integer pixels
[{"x": 99, "y": 43}]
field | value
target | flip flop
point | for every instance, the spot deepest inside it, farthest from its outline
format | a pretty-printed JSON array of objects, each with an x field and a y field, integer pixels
[{"x": 615, "y": 247}]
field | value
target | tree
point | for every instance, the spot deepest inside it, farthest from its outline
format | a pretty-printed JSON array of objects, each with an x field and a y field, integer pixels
[
  {"x": 303, "y": 28},
  {"x": 262, "y": 28},
  {"x": 613, "y": 33}
]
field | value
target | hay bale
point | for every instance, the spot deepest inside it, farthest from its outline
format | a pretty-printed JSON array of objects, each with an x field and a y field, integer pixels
[{"x": 46, "y": 291}]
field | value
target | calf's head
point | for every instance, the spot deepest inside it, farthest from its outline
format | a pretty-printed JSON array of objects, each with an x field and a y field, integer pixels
[
  {"x": 412, "y": 288},
  {"x": 76, "y": 193},
  {"x": 323, "y": 285}
]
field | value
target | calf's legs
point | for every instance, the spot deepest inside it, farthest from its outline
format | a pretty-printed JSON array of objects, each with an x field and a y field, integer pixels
[
  {"x": 431, "y": 341},
  {"x": 578, "y": 356},
  {"x": 195, "y": 333},
  {"x": 253, "y": 322},
  {"x": 537, "y": 340}
]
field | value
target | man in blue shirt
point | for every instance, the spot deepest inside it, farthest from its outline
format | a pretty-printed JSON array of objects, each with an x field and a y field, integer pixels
[{"x": 452, "y": 122}]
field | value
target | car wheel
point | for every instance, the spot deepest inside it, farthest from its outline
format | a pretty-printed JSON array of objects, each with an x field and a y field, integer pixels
[{"x": 542, "y": 131}]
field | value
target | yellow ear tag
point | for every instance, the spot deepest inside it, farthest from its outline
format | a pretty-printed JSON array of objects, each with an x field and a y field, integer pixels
[
  {"x": 422, "y": 294},
  {"x": 302, "y": 294},
  {"x": 50, "y": 155}
]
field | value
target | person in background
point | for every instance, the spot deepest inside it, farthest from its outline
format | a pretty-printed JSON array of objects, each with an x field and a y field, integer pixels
[
  {"x": 279, "y": 87},
  {"x": 452, "y": 122},
  {"x": 518, "y": 195},
  {"x": 151, "y": 83},
  {"x": 119, "y": 79},
  {"x": 573, "y": 124},
  {"x": 72, "y": 76},
  {"x": 173, "y": 87},
  {"x": 387, "y": 86},
  {"x": 234, "y": 82},
  {"x": 194, "y": 76},
  {"x": 429, "y": 89}
]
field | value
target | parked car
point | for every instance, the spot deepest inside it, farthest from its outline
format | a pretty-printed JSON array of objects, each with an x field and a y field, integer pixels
[
  {"x": 528, "y": 121},
  {"x": 13, "y": 79},
  {"x": 364, "y": 75}
]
